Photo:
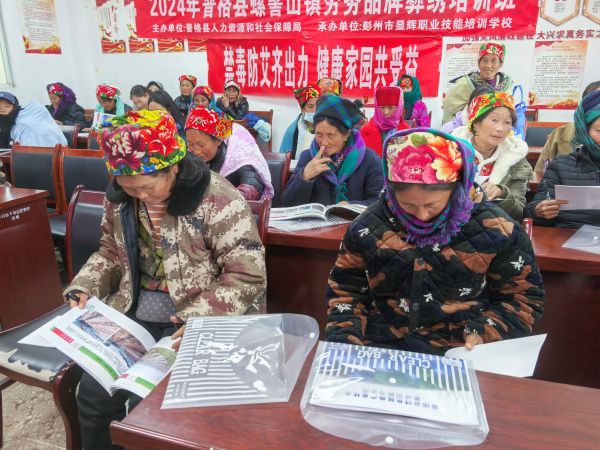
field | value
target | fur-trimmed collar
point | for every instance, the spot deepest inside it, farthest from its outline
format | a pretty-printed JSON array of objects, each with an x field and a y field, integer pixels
[
  {"x": 192, "y": 182},
  {"x": 510, "y": 151}
]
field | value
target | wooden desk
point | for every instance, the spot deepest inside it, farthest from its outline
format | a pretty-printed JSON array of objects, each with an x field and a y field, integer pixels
[
  {"x": 298, "y": 265},
  {"x": 522, "y": 414},
  {"x": 571, "y": 353},
  {"x": 29, "y": 279}
]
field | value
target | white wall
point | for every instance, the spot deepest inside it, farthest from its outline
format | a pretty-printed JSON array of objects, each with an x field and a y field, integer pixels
[{"x": 82, "y": 65}]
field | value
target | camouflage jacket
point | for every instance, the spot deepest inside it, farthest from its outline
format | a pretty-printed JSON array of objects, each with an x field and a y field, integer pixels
[
  {"x": 384, "y": 291},
  {"x": 213, "y": 258}
]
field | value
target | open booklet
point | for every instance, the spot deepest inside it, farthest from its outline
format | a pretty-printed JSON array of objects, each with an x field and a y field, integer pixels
[
  {"x": 317, "y": 211},
  {"x": 100, "y": 118},
  {"x": 118, "y": 352}
]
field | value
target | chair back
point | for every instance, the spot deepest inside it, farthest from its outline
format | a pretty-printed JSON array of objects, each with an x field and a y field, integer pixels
[
  {"x": 34, "y": 168},
  {"x": 93, "y": 143},
  {"x": 82, "y": 238},
  {"x": 81, "y": 167},
  {"x": 279, "y": 167},
  {"x": 71, "y": 134},
  {"x": 537, "y": 133},
  {"x": 531, "y": 115},
  {"x": 267, "y": 116},
  {"x": 261, "y": 209},
  {"x": 528, "y": 227}
]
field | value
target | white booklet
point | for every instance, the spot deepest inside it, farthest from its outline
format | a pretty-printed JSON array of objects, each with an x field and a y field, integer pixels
[
  {"x": 100, "y": 118},
  {"x": 316, "y": 211},
  {"x": 579, "y": 197},
  {"x": 586, "y": 239},
  {"x": 118, "y": 352},
  {"x": 388, "y": 381}
]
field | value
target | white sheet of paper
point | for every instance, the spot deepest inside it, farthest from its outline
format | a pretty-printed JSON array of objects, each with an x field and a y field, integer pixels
[
  {"x": 36, "y": 338},
  {"x": 586, "y": 239},
  {"x": 512, "y": 357},
  {"x": 580, "y": 197}
]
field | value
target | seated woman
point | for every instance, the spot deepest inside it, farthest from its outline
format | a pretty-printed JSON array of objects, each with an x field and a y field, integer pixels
[
  {"x": 139, "y": 96},
  {"x": 462, "y": 117},
  {"x": 580, "y": 168},
  {"x": 229, "y": 150},
  {"x": 31, "y": 124},
  {"x": 233, "y": 103},
  {"x": 63, "y": 106},
  {"x": 432, "y": 265},
  {"x": 154, "y": 86},
  {"x": 162, "y": 101},
  {"x": 502, "y": 169},
  {"x": 389, "y": 106},
  {"x": 109, "y": 100},
  {"x": 330, "y": 86},
  {"x": 338, "y": 167},
  {"x": 491, "y": 58},
  {"x": 205, "y": 96},
  {"x": 560, "y": 141},
  {"x": 415, "y": 109},
  {"x": 301, "y": 132},
  {"x": 182, "y": 232},
  {"x": 184, "y": 101}
]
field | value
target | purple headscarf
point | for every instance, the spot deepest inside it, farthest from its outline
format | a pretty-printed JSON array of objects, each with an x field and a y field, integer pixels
[
  {"x": 388, "y": 96},
  {"x": 66, "y": 94}
]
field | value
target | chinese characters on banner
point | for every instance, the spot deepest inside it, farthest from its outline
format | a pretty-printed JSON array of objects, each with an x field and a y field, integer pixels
[
  {"x": 278, "y": 67},
  {"x": 136, "y": 44},
  {"x": 110, "y": 22},
  {"x": 280, "y": 19},
  {"x": 38, "y": 23},
  {"x": 560, "y": 87}
]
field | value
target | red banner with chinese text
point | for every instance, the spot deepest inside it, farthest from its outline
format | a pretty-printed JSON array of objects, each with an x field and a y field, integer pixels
[
  {"x": 278, "y": 67},
  {"x": 282, "y": 19}
]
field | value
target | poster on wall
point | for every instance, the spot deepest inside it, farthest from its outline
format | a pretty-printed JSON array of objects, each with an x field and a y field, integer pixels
[
  {"x": 196, "y": 45},
  {"x": 461, "y": 59},
  {"x": 38, "y": 25},
  {"x": 557, "y": 76},
  {"x": 110, "y": 21},
  {"x": 170, "y": 45},
  {"x": 276, "y": 67},
  {"x": 591, "y": 10},
  {"x": 136, "y": 44},
  {"x": 558, "y": 12}
]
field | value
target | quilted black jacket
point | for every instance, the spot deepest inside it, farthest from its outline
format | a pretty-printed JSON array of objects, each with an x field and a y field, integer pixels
[{"x": 386, "y": 292}]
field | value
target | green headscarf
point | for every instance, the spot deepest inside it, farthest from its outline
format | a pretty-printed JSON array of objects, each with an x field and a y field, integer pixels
[
  {"x": 587, "y": 112},
  {"x": 412, "y": 97}
]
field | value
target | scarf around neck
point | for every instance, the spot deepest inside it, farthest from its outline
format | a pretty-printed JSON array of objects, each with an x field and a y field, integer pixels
[{"x": 352, "y": 156}]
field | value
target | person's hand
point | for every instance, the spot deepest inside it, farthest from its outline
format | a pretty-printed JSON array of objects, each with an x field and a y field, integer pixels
[
  {"x": 343, "y": 202},
  {"x": 179, "y": 333},
  {"x": 86, "y": 130},
  {"x": 225, "y": 101},
  {"x": 83, "y": 298},
  {"x": 316, "y": 166},
  {"x": 549, "y": 209},
  {"x": 492, "y": 191},
  {"x": 472, "y": 340},
  {"x": 58, "y": 122}
]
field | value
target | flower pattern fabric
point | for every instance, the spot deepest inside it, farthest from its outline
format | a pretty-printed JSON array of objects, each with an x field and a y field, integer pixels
[
  {"x": 305, "y": 94},
  {"x": 491, "y": 48},
  {"x": 191, "y": 78},
  {"x": 107, "y": 92},
  {"x": 486, "y": 102},
  {"x": 209, "y": 122},
  {"x": 141, "y": 142}
]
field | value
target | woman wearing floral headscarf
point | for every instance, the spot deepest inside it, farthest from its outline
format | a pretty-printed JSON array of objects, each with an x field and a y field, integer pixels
[
  {"x": 490, "y": 61},
  {"x": 415, "y": 109},
  {"x": 503, "y": 170},
  {"x": 233, "y": 103},
  {"x": 205, "y": 96},
  {"x": 338, "y": 167},
  {"x": 580, "y": 168},
  {"x": 432, "y": 265},
  {"x": 185, "y": 101},
  {"x": 177, "y": 241},
  {"x": 230, "y": 150},
  {"x": 389, "y": 107},
  {"x": 109, "y": 100},
  {"x": 63, "y": 106},
  {"x": 301, "y": 132},
  {"x": 330, "y": 86}
]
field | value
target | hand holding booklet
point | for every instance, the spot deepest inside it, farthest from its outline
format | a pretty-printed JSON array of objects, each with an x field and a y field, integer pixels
[{"x": 118, "y": 352}]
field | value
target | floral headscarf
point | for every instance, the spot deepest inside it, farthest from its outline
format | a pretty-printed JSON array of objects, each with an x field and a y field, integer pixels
[
  {"x": 491, "y": 48},
  {"x": 405, "y": 82},
  {"x": 427, "y": 156},
  {"x": 486, "y": 102},
  {"x": 330, "y": 86},
  {"x": 209, "y": 122},
  {"x": 141, "y": 142},
  {"x": 107, "y": 92},
  {"x": 191, "y": 78},
  {"x": 304, "y": 94},
  {"x": 67, "y": 97}
]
